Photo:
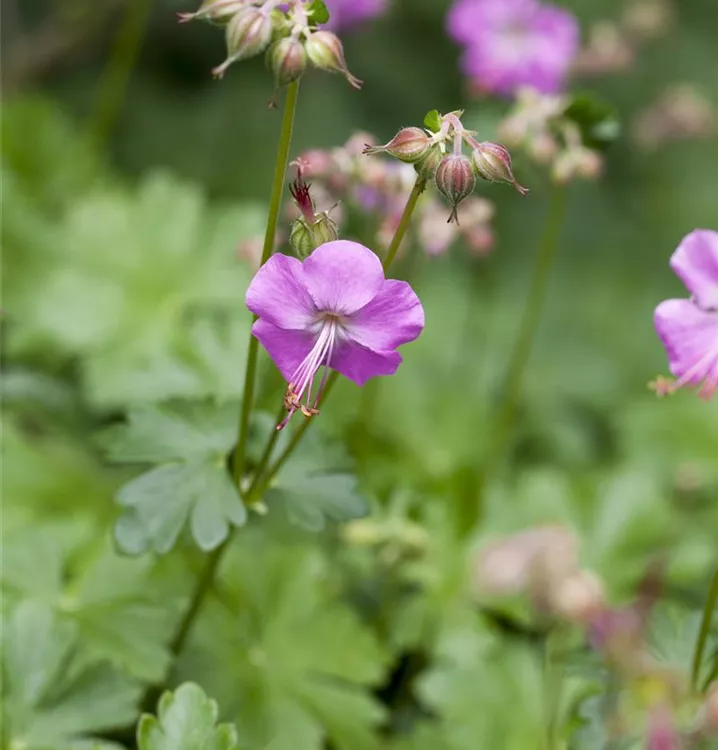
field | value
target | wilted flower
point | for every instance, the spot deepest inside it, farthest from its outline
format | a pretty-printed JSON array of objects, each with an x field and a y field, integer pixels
[
  {"x": 334, "y": 310},
  {"x": 688, "y": 328},
  {"x": 514, "y": 43}
]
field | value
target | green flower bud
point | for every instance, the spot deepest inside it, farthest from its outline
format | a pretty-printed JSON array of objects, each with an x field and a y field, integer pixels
[
  {"x": 455, "y": 180},
  {"x": 248, "y": 33},
  {"x": 324, "y": 229},
  {"x": 430, "y": 163},
  {"x": 409, "y": 144},
  {"x": 326, "y": 52},
  {"x": 287, "y": 60},
  {"x": 301, "y": 239}
]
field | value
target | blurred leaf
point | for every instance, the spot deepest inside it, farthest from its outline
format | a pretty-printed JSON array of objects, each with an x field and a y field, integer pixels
[
  {"x": 597, "y": 120},
  {"x": 275, "y": 650},
  {"x": 186, "y": 720},
  {"x": 52, "y": 698},
  {"x": 130, "y": 311},
  {"x": 310, "y": 494},
  {"x": 190, "y": 442}
]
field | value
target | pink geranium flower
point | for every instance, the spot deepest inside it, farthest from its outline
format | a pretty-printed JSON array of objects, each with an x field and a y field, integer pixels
[
  {"x": 514, "y": 43},
  {"x": 333, "y": 310},
  {"x": 688, "y": 328}
]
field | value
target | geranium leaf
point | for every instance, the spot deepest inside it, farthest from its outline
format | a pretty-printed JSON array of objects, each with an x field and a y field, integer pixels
[{"x": 186, "y": 720}]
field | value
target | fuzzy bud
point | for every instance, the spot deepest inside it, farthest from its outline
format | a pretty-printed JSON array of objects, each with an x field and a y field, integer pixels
[
  {"x": 492, "y": 162},
  {"x": 215, "y": 11},
  {"x": 248, "y": 33},
  {"x": 301, "y": 239},
  {"x": 409, "y": 144},
  {"x": 430, "y": 163},
  {"x": 287, "y": 60},
  {"x": 455, "y": 180},
  {"x": 324, "y": 229},
  {"x": 326, "y": 52}
]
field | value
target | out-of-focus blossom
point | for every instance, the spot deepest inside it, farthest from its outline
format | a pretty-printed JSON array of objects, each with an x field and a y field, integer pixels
[
  {"x": 537, "y": 124},
  {"x": 513, "y": 43},
  {"x": 333, "y": 310},
  {"x": 608, "y": 50},
  {"x": 345, "y": 14},
  {"x": 647, "y": 19},
  {"x": 661, "y": 732},
  {"x": 681, "y": 113},
  {"x": 688, "y": 328}
]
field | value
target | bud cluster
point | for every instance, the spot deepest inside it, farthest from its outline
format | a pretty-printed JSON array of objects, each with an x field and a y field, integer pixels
[
  {"x": 286, "y": 31},
  {"x": 366, "y": 196},
  {"x": 439, "y": 156},
  {"x": 537, "y": 125}
]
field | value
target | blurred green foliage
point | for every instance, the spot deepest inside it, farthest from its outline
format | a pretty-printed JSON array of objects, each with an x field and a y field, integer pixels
[{"x": 123, "y": 295}]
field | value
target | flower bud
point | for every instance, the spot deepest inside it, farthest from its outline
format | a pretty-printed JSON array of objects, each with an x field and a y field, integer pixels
[
  {"x": 455, "y": 180},
  {"x": 326, "y": 52},
  {"x": 409, "y": 144},
  {"x": 579, "y": 597},
  {"x": 492, "y": 162},
  {"x": 430, "y": 163},
  {"x": 215, "y": 11},
  {"x": 287, "y": 60},
  {"x": 324, "y": 229},
  {"x": 248, "y": 33},
  {"x": 301, "y": 239}
]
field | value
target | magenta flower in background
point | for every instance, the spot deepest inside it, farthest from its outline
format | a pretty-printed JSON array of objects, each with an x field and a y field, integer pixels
[
  {"x": 514, "y": 43},
  {"x": 347, "y": 13},
  {"x": 333, "y": 310},
  {"x": 688, "y": 328}
]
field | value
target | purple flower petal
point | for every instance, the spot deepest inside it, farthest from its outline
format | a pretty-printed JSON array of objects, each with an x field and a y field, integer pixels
[
  {"x": 277, "y": 294},
  {"x": 360, "y": 364},
  {"x": 287, "y": 348},
  {"x": 342, "y": 276},
  {"x": 695, "y": 262},
  {"x": 394, "y": 317},
  {"x": 690, "y": 336},
  {"x": 346, "y": 13}
]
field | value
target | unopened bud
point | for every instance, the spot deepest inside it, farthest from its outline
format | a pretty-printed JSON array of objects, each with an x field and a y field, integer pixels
[
  {"x": 215, "y": 11},
  {"x": 579, "y": 597},
  {"x": 248, "y": 33},
  {"x": 430, "y": 163},
  {"x": 287, "y": 60},
  {"x": 493, "y": 163},
  {"x": 301, "y": 239},
  {"x": 326, "y": 52},
  {"x": 409, "y": 144},
  {"x": 324, "y": 229},
  {"x": 455, "y": 180}
]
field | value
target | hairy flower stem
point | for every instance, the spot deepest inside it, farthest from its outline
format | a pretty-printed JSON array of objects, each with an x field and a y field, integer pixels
[
  {"x": 469, "y": 509},
  {"x": 116, "y": 75},
  {"x": 706, "y": 620},
  {"x": 275, "y": 203}
]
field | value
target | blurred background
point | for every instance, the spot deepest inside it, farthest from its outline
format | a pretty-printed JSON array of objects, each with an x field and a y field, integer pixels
[{"x": 134, "y": 187}]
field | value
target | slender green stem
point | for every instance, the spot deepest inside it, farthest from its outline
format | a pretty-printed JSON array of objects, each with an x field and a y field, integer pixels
[
  {"x": 706, "y": 620},
  {"x": 404, "y": 222},
  {"x": 116, "y": 76},
  {"x": 275, "y": 203},
  {"x": 502, "y": 423},
  {"x": 553, "y": 684}
]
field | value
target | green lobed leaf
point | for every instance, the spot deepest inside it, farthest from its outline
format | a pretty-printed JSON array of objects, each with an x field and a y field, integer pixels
[
  {"x": 596, "y": 120},
  {"x": 189, "y": 486},
  {"x": 432, "y": 121},
  {"x": 186, "y": 720},
  {"x": 318, "y": 12},
  {"x": 53, "y": 698}
]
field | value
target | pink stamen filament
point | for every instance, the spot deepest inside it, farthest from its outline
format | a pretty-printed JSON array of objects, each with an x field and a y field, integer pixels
[
  {"x": 303, "y": 377},
  {"x": 710, "y": 381}
]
